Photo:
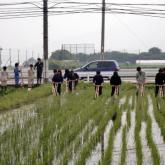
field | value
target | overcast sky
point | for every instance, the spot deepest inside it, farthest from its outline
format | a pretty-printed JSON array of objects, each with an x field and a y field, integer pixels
[{"x": 123, "y": 32}]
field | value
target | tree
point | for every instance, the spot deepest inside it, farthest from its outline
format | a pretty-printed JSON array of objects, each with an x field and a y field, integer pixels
[
  {"x": 154, "y": 50},
  {"x": 61, "y": 55}
]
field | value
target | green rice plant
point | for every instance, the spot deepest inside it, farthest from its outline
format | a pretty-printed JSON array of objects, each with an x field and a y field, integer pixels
[
  {"x": 138, "y": 143},
  {"x": 161, "y": 103},
  {"x": 133, "y": 102},
  {"x": 54, "y": 131},
  {"x": 95, "y": 139},
  {"x": 60, "y": 145},
  {"x": 96, "y": 109},
  {"x": 158, "y": 115},
  {"x": 126, "y": 104},
  {"x": 96, "y": 116},
  {"x": 128, "y": 118},
  {"x": 151, "y": 144},
  {"x": 124, "y": 147},
  {"x": 107, "y": 157}
]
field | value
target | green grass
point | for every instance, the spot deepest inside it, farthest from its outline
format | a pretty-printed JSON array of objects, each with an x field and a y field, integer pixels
[{"x": 21, "y": 96}]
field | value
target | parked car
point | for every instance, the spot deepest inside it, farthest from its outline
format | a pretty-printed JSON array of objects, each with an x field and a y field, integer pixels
[{"x": 107, "y": 67}]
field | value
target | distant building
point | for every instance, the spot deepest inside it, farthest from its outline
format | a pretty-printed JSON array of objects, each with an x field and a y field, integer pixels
[
  {"x": 29, "y": 61},
  {"x": 150, "y": 62}
]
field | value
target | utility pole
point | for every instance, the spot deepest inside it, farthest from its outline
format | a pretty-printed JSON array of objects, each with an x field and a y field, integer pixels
[
  {"x": 45, "y": 38},
  {"x": 0, "y": 57},
  {"x": 102, "y": 29}
]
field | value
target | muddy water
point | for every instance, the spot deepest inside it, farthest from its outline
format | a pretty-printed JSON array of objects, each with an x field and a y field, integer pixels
[
  {"x": 122, "y": 101},
  {"x": 97, "y": 152},
  {"x": 131, "y": 153},
  {"x": 118, "y": 142},
  {"x": 147, "y": 158},
  {"x": 102, "y": 146},
  {"x": 130, "y": 101},
  {"x": 156, "y": 132}
]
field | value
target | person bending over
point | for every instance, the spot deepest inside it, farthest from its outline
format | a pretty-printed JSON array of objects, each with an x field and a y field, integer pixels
[
  {"x": 98, "y": 82},
  {"x": 115, "y": 82}
]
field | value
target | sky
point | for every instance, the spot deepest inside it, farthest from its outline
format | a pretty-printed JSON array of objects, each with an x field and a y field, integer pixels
[{"x": 129, "y": 33}]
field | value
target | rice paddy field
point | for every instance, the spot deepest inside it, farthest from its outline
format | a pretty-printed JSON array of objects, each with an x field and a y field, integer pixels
[{"x": 37, "y": 128}]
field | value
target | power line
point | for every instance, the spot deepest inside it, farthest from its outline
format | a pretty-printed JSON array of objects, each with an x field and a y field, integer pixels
[{"x": 71, "y": 7}]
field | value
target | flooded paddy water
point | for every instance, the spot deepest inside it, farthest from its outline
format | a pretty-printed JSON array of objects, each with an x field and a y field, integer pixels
[{"x": 71, "y": 129}]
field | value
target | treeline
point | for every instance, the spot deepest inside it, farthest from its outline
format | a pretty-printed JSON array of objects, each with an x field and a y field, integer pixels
[{"x": 63, "y": 58}]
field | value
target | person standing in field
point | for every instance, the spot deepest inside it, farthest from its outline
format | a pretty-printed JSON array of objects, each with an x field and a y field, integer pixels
[
  {"x": 3, "y": 78},
  {"x": 66, "y": 75},
  {"x": 140, "y": 80},
  {"x": 30, "y": 77},
  {"x": 115, "y": 82},
  {"x": 159, "y": 82},
  {"x": 39, "y": 65},
  {"x": 16, "y": 74},
  {"x": 57, "y": 81},
  {"x": 98, "y": 82},
  {"x": 72, "y": 78},
  {"x": 76, "y": 76}
]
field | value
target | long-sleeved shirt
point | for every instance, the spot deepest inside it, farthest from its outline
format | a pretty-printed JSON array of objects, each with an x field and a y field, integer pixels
[
  {"x": 115, "y": 80},
  {"x": 140, "y": 77},
  {"x": 98, "y": 79},
  {"x": 160, "y": 79}
]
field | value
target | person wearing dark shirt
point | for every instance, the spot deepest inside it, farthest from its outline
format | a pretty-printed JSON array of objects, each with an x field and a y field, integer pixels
[
  {"x": 39, "y": 66},
  {"x": 57, "y": 81},
  {"x": 98, "y": 81},
  {"x": 115, "y": 81},
  {"x": 66, "y": 74},
  {"x": 76, "y": 76},
  {"x": 71, "y": 81},
  {"x": 159, "y": 82}
]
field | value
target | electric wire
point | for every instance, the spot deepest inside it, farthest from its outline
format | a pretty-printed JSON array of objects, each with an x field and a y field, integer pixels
[{"x": 72, "y": 7}]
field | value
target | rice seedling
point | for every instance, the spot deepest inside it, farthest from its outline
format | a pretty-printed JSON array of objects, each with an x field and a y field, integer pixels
[
  {"x": 128, "y": 119},
  {"x": 151, "y": 144},
  {"x": 124, "y": 147},
  {"x": 138, "y": 144},
  {"x": 67, "y": 129},
  {"x": 158, "y": 115},
  {"x": 107, "y": 157}
]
